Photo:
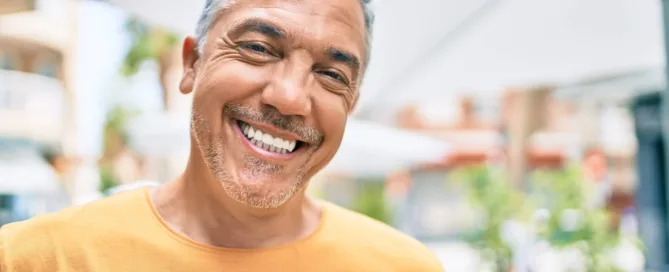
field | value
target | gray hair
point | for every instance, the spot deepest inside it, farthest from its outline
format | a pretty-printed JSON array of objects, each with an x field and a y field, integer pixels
[{"x": 213, "y": 7}]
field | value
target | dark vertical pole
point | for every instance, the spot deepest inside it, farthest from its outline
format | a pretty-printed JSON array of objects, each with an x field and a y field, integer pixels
[
  {"x": 651, "y": 200},
  {"x": 664, "y": 98},
  {"x": 651, "y": 118},
  {"x": 652, "y": 127}
]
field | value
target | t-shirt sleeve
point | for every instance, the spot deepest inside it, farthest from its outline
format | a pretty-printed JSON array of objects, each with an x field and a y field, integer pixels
[
  {"x": 24, "y": 247},
  {"x": 2, "y": 253},
  {"x": 4, "y": 262}
]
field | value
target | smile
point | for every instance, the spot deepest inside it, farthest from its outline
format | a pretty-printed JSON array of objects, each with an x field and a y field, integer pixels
[{"x": 266, "y": 141}]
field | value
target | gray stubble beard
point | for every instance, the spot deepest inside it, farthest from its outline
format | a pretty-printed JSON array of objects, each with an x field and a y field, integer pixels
[{"x": 248, "y": 193}]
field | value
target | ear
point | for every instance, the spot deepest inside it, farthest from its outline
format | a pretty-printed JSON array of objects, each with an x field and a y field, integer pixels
[{"x": 190, "y": 56}]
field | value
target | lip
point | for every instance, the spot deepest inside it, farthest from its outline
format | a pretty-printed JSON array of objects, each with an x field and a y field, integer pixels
[{"x": 261, "y": 152}]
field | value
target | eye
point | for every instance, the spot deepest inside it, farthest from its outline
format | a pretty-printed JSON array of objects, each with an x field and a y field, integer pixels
[
  {"x": 256, "y": 48},
  {"x": 335, "y": 76}
]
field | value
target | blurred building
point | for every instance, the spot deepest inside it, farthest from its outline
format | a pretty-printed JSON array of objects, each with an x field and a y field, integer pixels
[
  {"x": 32, "y": 59},
  {"x": 36, "y": 43}
]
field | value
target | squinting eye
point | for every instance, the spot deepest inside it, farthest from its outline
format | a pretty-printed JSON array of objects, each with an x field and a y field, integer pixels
[
  {"x": 256, "y": 47},
  {"x": 334, "y": 75}
]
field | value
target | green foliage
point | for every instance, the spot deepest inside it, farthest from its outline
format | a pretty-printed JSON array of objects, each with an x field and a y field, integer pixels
[
  {"x": 562, "y": 193},
  {"x": 114, "y": 128},
  {"x": 107, "y": 179},
  {"x": 116, "y": 118},
  {"x": 146, "y": 44},
  {"x": 492, "y": 195},
  {"x": 115, "y": 139},
  {"x": 565, "y": 191},
  {"x": 371, "y": 201}
]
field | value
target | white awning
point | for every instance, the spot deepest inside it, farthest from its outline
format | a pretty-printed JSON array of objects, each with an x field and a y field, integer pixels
[
  {"x": 614, "y": 88},
  {"x": 370, "y": 149},
  {"x": 521, "y": 43}
]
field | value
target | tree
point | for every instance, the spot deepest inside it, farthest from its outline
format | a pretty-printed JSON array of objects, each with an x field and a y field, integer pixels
[
  {"x": 115, "y": 140},
  {"x": 150, "y": 43},
  {"x": 571, "y": 222},
  {"x": 492, "y": 195}
]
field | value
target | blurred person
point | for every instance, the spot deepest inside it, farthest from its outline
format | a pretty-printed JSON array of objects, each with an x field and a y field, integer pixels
[{"x": 274, "y": 83}]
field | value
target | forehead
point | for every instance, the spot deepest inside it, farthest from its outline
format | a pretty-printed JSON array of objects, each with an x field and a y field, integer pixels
[{"x": 337, "y": 23}]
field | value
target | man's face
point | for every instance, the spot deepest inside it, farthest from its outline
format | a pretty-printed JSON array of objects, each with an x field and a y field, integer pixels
[{"x": 272, "y": 92}]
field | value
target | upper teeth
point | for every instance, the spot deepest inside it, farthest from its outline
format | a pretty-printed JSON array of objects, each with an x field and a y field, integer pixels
[{"x": 267, "y": 141}]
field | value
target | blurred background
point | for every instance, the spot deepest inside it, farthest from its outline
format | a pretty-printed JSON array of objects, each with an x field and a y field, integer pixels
[{"x": 513, "y": 135}]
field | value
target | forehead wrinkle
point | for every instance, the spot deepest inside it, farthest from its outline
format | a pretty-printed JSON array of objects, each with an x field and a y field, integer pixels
[
  {"x": 257, "y": 25},
  {"x": 353, "y": 19}
]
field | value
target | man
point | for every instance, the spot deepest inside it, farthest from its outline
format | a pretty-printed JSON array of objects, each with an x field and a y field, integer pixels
[{"x": 273, "y": 83}]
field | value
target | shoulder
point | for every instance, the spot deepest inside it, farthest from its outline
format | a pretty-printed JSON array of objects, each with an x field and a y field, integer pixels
[
  {"x": 386, "y": 242},
  {"x": 36, "y": 241},
  {"x": 115, "y": 210}
]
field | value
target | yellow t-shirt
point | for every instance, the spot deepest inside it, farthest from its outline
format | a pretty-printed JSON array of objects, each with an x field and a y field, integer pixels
[{"x": 124, "y": 233}]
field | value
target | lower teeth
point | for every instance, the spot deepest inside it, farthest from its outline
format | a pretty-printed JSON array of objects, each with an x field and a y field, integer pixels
[{"x": 267, "y": 147}]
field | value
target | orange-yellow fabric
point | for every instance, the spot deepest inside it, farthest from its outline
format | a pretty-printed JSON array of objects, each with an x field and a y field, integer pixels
[{"x": 124, "y": 233}]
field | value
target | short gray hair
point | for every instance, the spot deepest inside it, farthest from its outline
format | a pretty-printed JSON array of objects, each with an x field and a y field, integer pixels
[{"x": 213, "y": 7}]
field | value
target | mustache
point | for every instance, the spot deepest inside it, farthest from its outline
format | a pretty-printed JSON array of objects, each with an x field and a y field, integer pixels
[{"x": 271, "y": 116}]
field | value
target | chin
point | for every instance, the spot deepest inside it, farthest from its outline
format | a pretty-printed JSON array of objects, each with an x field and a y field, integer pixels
[
  {"x": 260, "y": 194},
  {"x": 262, "y": 187}
]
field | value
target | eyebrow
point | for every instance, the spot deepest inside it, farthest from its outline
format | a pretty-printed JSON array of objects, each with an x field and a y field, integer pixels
[
  {"x": 344, "y": 57},
  {"x": 258, "y": 26}
]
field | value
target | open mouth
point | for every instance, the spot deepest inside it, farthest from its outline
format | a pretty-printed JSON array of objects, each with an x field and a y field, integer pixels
[{"x": 268, "y": 142}]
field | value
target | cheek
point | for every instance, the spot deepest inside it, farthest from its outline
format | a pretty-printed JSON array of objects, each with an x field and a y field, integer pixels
[
  {"x": 220, "y": 83},
  {"x": 332, "y": 115},
  {"x": 206, "y": 123}
]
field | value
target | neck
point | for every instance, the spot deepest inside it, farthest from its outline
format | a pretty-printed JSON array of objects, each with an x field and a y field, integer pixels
[{"x": 196, "y": 206}]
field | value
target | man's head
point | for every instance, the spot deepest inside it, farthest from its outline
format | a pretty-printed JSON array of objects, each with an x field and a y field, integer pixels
[{"x": 273, "y": 82}]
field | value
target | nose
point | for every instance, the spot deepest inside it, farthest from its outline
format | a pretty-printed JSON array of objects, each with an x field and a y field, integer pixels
[{"x": 288, "y": 91}]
